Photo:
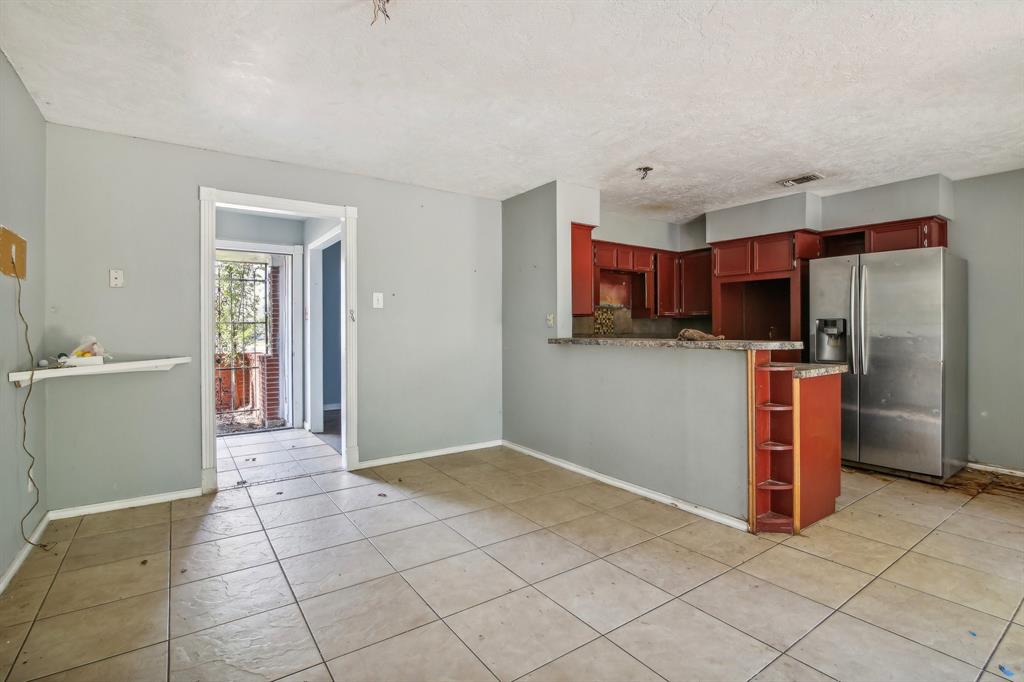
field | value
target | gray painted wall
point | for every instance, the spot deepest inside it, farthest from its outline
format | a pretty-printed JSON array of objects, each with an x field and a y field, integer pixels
[
  {"x": 22, "y": 209},
  {"x": 989, "y": 233},
  {"x": 618, "y": 227},
  {"x": 606, "y": 408},
  {"x": 693, "y": 234},
  {"x": 924, "y": 196},
  {"x": 429, "y": 362},
  {"x": 332, "y": 324},
  {"x": 247, "y": 227},
  {"x": 781, "y": 214}
]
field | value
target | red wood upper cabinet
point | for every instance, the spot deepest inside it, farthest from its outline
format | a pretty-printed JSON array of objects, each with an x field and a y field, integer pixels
[
  {"x": 695, "y": 282},
  {"x": 732, "y": 258},
  {"x": 643, "y": 259},
  {"x": 895, "y": 237},
  {"x": 667, "y": 273},
  {"x": 623, "y": 257},
  {"x": 605, "y": 255},
  {"x": 906, "y": 234},
  {"x": 773, "y": 253},
  {"x": 582, "y": 270},
  {"x": 807, "y": 245}
]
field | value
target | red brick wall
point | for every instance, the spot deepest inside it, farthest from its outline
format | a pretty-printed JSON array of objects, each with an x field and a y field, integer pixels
[{"x": 272, "y": 363}]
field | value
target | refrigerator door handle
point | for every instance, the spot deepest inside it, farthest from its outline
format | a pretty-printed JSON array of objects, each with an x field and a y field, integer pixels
[
  {"x": 863, "y": 331},
  {"x": 854, "y": 365}
]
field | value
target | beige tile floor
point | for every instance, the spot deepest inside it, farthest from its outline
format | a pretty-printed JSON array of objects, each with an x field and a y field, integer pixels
[{"x": 494, "y": 565}]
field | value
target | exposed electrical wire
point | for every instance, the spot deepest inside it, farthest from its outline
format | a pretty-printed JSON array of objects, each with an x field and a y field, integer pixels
[
  {"x": 380, "y": 9},
  {"x": 24, "y": 416}
]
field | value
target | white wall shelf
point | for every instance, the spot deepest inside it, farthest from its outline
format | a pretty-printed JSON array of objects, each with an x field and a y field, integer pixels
[{"x": 21, "y": 379}]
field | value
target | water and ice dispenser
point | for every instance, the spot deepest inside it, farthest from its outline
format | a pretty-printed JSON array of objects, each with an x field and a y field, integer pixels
[{"x": 830, "y": 340}]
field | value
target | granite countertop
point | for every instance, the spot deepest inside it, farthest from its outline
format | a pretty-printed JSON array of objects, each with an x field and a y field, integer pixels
[
  {"x": 641, "y": 342},
  {"x": 807, "y": 370}
]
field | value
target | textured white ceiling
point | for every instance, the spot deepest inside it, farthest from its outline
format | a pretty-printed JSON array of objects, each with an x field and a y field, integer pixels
[{"x": 496, "y": 97}]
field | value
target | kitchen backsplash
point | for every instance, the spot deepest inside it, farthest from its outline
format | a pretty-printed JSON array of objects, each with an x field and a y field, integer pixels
[{"x": 618, "y": 321}]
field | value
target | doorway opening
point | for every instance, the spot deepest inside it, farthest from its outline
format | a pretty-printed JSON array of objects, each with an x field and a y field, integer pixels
[
  {"x": 278, "y": 334},
  {"x": 253, "y": 341},
  {"x": 333, "y": 312}
]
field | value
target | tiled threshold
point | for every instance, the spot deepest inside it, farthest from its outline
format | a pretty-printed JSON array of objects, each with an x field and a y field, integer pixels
[{"x": 493, "y": 564}]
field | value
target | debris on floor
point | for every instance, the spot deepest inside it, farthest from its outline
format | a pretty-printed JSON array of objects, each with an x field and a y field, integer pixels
[{"x": 974, "y": 482}]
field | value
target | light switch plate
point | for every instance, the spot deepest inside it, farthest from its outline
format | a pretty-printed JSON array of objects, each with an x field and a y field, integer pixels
[
  {"x": 550, "y": 320},
  {"x": 378, "y": 299},
  {"x": 116, "y": 279}
]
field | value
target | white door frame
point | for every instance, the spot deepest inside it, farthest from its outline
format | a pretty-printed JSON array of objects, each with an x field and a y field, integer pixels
[
  {"x": 292, "y": 346},
  {"x": 314, "y": 324},
  {"x": 210, "y": 199}
]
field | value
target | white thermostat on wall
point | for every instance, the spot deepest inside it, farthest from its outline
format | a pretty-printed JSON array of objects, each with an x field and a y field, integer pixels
[
  {"x": 378, "y": 299},
  {"x": 116, "y": 279}
]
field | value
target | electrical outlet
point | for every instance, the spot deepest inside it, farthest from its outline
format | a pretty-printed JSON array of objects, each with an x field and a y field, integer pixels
[
  {"x": 116, "y": 279},
  {"x": 550, "y": 319},
  {"x": 378, "y": 299}
]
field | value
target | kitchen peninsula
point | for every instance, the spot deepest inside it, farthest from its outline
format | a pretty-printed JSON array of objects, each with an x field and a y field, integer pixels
[{"x": 783, "y": 474}]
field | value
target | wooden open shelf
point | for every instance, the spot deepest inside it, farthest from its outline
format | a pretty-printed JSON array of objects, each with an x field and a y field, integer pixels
[
  {"x": 773, "y": 452},
  {"x": 769, "y": 484},
  {"x": 775, "y": 407},
  {"x": 793, "y": 447},
  {"x": 772, "y": 522}
]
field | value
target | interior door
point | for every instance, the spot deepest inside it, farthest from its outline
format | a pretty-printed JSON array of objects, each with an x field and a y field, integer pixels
[
  {"x": 833, "y": 282},
  {"x": 901, "y": 371}
]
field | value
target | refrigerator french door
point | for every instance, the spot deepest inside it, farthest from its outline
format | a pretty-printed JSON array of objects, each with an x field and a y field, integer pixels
[{"x": 905, "y": 341}]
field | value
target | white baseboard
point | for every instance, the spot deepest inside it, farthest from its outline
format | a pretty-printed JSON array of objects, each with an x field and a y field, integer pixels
[
  {"x": 995, "y": 469},
  {"x": 19, "y": 559},
  {"x": 124, "y": 504},
  {"x": 89, "y": 509},
  {"x": 426, "y": 453},
  {"x": 709, "y": 514},
  {"x": 209, "y": 480}
]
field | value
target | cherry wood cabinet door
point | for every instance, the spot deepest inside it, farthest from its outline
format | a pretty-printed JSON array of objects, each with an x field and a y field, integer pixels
[
  {"x": 896, "y": 237},
  {"x": 582, "y": 270},
  {"x": 624, "y": 257},
  {"x": 732, "y": 258},
  {"x": 695, "y": 283},
  {"x": 643, "y": 259},
  {"x": 604, "y": 255},
  {"x": 666, "y": 272},
  {"x": 773, "y": 253}
]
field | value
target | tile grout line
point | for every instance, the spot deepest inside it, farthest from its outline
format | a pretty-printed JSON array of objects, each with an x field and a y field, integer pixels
[
  {"x": 35, "y": 616},
  {"x": 437, "y": 617},
  {"x": 855, "y": 594},
  {"x": 291, "y": 590},
  {"x": 170, "y": 516}
]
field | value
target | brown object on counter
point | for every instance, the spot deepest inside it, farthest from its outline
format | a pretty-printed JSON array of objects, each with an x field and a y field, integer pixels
[{"x": 697, "y": 335}]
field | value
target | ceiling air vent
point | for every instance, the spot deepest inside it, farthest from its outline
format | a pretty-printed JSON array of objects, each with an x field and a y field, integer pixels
[{"x": 800, "y": 179}]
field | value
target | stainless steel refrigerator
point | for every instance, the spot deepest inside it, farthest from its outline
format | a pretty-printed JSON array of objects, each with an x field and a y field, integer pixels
[{"x": 899, "y": 321}]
